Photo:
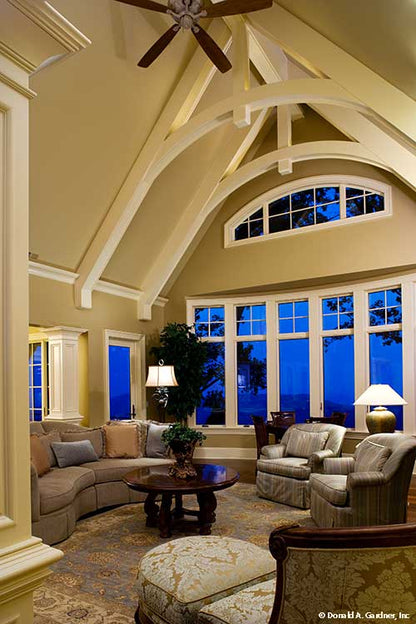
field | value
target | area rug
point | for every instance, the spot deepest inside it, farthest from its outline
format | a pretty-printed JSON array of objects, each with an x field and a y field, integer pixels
[{"x": 95, "y": 581}]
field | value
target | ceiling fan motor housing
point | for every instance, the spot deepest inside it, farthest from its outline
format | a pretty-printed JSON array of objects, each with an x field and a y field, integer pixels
[{"x": 186, "y": 12}]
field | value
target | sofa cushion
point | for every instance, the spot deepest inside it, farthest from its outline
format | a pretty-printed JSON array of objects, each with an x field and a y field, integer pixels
[
  {"x": 47, "y": 439},
  {"x": 39, "y": 455},
  {"x": 73, "y": 453},
  {"x": 304, "y": 443},
  {"x": 114, "y": 469},
  {"x": 59, "y": 487},
  {"x": 370, "y": 457},
  {"x": 178, "y": 578},
  {"x": 155, "y": 447},
  {"x": 95, "y": 436},
  {"x": 121, "y": 441},
  {"x": 295, "y": 467},
  {"x": 252, "y": 605},
  {"x": 332, "y": 488},
  {"x": 36, "y": 427}
]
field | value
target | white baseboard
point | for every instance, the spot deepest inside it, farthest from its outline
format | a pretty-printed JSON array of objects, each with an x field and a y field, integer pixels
[{"x": 207, "y": 452}]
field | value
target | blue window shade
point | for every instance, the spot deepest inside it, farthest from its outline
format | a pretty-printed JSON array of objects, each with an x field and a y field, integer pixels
[
  {"x": 294, "y": 377},
  {"x": 119, "y": 382},
  {"x": 386, "y": 366},
  {"x": 338, "y": 358},
  {"x": 212, "y": 408},
  {"x": 251, "y": 380}
]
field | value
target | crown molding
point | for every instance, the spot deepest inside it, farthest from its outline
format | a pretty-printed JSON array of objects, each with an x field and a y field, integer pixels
[
  {"x": 69, "y": 277},
  {"x": 16, "y": 58},
  {"x": 46, "y": 17}
]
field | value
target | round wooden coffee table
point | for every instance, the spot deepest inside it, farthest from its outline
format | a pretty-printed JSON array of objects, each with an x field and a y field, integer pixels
[{"x": 156, "y": 480}]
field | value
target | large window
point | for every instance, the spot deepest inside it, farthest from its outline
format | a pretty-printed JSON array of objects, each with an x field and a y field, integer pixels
[
  {"x": 312, "y": 352},
  {"x": 316, "y": 202}
]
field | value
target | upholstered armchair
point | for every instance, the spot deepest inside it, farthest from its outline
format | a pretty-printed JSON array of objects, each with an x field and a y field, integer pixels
[
  {"x": 284, "y": 470},
  {"x": 369, "y": 488}
]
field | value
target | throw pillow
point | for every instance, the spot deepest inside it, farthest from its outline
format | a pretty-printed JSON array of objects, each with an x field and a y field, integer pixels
[
  {"x": 95, "y": 436},
  {"x": 47, "y": 439},
  {"x": 141, "y": 431},
  {"x": 121, "y": 441},
  {"x": 304, "y": 443},
  {"x": 74, "y": 453},
  {"x": 370, "y": 457},
  {"x": 155, "y": 447},
  {"x": 39, "y": 456}
]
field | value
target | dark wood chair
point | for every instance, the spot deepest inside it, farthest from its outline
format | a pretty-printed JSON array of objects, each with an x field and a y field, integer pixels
[
  {"x": 280, "y": 423},
  {"x": 262, "y": 436},
  {"x": 336, "y": 418}
]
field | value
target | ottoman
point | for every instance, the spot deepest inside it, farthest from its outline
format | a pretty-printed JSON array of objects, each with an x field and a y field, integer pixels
[
  {"x": 178, "y": 578},
  {"x": 253, "y": 605}
]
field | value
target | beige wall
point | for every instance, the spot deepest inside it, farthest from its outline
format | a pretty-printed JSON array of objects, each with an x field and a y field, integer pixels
[
  {"x": 375, "y": 245},
  {"x": 51, "y": 304}
]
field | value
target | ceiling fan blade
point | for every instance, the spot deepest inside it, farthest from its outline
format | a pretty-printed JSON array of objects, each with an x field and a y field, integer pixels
[
  {"x": 211, "y": 49},
  {"x": 158, "y": 47},
  {"x": 235, "y": 7},
  {"x": 146, "y": 4}
]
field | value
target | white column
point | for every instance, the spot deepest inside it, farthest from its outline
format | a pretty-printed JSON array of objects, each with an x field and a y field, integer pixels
[{"x": 63, "y": 374}]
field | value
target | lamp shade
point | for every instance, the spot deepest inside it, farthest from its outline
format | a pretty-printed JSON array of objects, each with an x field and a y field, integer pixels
[
  {"x": 380, "y": 394},
  {"x": 161, "y": 376}
]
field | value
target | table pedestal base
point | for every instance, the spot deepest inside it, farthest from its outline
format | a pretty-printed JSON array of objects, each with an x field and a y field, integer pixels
[{"x": 163, "y": 516}]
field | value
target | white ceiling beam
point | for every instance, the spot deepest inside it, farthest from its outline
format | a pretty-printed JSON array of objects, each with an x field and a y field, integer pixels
[
  {"x": 241, "y": 69},
  {"x": 320, "y": 55},
  {"x": 226, "y": 162},
  {"x": 177, "y": 111}
]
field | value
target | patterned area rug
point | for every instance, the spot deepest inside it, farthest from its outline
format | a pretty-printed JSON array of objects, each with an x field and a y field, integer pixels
[{"x": 95, "y": 582}]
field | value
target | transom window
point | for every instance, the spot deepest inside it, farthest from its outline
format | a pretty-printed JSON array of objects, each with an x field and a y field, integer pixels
[
  {"x": 251, "y": 320},
  {"x": 329, "y": 201},
  {"x": 209, "y": 322},
  {"x": 338, "y": 313},
  {"x": 385, "y": 307},
  {"x": 293, "y": 317}
]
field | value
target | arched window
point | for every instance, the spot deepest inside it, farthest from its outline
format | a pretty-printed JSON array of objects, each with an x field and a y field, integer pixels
[{"x": 318, "y": 202}]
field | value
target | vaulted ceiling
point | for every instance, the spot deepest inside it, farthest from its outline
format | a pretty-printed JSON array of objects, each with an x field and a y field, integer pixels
[{"x": 128, "y": 165}]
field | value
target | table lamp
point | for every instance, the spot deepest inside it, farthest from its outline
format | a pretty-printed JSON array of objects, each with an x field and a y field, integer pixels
[
  {"x": 380, "y": 419},
  {"x": 161, "y": 377}
]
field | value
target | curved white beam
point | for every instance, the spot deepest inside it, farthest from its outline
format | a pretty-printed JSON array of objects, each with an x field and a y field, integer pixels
[
  {"x": 191, "y": 221},
  {"x": 120, "y": 215}
]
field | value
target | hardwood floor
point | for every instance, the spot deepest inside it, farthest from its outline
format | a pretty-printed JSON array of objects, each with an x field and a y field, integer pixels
[{"x": 247, "y": 469}]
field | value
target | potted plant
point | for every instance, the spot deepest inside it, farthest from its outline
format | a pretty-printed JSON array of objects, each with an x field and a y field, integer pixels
[{"x": 181, "y": 348}]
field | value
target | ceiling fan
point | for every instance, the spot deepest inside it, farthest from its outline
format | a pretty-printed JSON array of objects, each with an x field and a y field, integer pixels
[{"x": 186, "y": 14}]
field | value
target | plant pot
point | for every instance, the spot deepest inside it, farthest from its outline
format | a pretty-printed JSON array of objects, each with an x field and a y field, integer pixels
[{"x": 183, "y": 467}]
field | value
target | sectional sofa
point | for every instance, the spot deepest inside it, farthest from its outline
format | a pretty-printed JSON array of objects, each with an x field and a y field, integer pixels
[{"x": 63, "y": 495}]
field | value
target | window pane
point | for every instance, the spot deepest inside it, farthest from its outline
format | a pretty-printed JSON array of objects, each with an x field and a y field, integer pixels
[
  {"x": 346, "y": 321},
  {"x": 258, "y": 312},
  {"x": 294, "y": 377},
  {"x": 377, "y": 317},
  {"x": 256, "y": 228},
  {"x": 338, "y": 359},
  {"x": 330, "y": 321},
  {"x": 301, "y": 308},
  {"x": 377, "y": 299},
  {"x": 394, "y": 296},
  {"x": 279, "y": 206},
  {"x": 243, "y": 313},
  {"x": 355, "y": 207},
  {"x": 244, "y": 328},
  {"x": 201, "y": 329},
  {"x": 301, "y": 324},
  {"x": 329, "y": 305},
  {"x": 394, "y": 315},
  {"x": 201, "y": 315},
  {"x": 327, "y": 194},
  {"x": 303, "y": 199},
  {"x": 37, "y": 414},
  {"x": 374, "y": 203},
  {"x": 256, "y": 215},
  {"x": 386, "y": 366},
  {"x": 286, "y": 326},
  {"x": 346, "y": 304},
  {"x": 251, "y": 381},
  {"x": 216, "y": 314},
  {"x": 212, "y": 408},
  {"x": 303, "y": 218},
  {"x": 37, "y": 353},
  {"x": 354, "y": 192},
  {"x": 119, "y": 382},
  {"x": 258, "y": 328},
  {"x": 37, "y": 397},
  {"x": 329, "y": 212},
  {"x": 279, "y": 224},
  {"x": 217, "y": 329},
  {"x": 37, "y": 375},
  {"x": 241, "y": 232}
]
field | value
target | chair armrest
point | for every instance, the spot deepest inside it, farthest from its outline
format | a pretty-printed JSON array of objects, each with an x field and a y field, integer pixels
[
  {"x": 339, "y": 465},
  {"x": 34, "y": 493},
  {"x": 316, "y": 460},
  {"x": 273, "y": 451},
  {"x": 357, "y": 480}
]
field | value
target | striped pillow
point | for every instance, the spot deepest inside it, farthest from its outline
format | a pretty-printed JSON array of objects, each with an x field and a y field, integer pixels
[
  {"x": 304, "y": 443},
  {"x": 370, "y": 457}
]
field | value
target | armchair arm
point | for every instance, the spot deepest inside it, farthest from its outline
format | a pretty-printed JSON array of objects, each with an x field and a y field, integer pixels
[
  {"x": 339, "y": 465},
  {"x": 34, "y": 493},
  {"x": 273, "y": 451},
  {"x": 357, "y": 480},
  {"x": 316, "y": 460}
]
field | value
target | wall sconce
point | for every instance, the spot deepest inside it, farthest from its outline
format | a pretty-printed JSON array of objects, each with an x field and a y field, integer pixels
[{"x": 162, "y": 378}]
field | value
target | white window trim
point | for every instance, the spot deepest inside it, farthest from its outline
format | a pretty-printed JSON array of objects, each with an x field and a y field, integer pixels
[
  {"x": 138, "y": 389},
  {"x": 361, "y": 332},
  {"x": 43, "y": 340},
  {"x": 299, "y": 185}
]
